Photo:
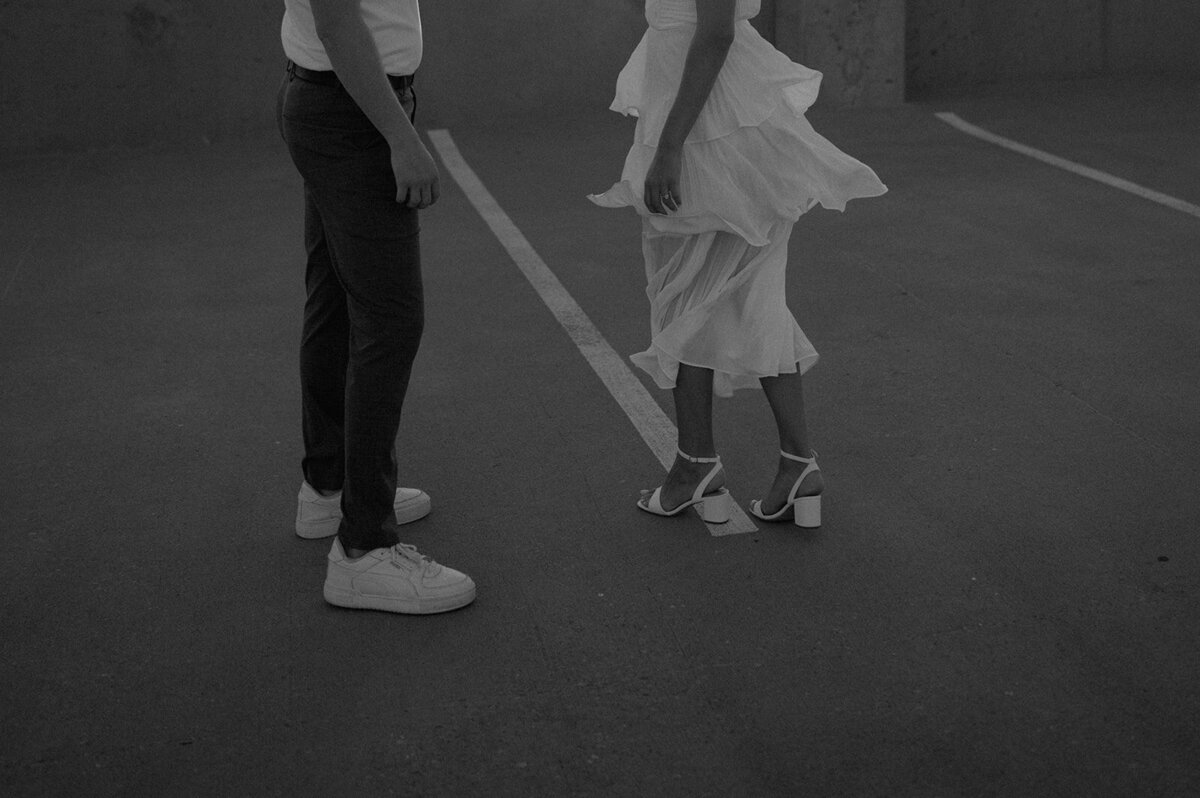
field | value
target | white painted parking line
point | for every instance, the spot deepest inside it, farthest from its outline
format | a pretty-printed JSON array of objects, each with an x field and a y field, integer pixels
[
  {"x": 651, "y": 422},
  {"x": 1062, "y": 163}
]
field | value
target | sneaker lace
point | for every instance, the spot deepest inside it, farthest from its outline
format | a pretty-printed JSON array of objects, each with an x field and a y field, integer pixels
[{"x": 405, "y": 551}]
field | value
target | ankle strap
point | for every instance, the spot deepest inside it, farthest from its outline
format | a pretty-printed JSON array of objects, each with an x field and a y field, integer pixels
[
  {"x": 808, "y": 469},
  {"x": 691, "y": 459}
]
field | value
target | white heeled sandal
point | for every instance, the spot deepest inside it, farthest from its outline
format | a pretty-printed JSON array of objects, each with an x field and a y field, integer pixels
[
  {"x": 714, "y": 508},
  {"x": 806, "y": 510}
]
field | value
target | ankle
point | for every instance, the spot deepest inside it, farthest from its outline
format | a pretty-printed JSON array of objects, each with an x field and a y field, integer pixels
[
  {"x": 795, "y": 450},
  {"x": 324, "y": 494}
]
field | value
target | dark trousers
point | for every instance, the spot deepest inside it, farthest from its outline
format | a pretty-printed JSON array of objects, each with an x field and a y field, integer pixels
[{"x": 364, "y": 313}]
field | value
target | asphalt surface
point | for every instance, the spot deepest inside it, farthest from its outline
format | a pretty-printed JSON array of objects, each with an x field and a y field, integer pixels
[{"x": 1002, "y": 599}]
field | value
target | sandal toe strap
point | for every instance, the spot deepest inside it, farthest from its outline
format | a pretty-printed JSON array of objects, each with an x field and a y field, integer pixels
[{"x": 653, "y": 502}]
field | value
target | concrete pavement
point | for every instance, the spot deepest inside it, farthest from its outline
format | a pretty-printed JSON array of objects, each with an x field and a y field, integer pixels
[{"x": 1002, "y": 599}]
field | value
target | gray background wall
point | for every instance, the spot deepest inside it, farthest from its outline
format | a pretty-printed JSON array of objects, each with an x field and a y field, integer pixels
[
  {"x": 80, "y": 73},
  {"x": 857, "y": 44},
  {"x": 959, "y": 43}
]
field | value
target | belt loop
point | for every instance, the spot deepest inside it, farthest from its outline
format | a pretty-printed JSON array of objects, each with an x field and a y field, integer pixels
[{"x": 291, "y": 69}]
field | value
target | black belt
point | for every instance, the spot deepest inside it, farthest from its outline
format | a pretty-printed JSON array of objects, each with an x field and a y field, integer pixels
[{"x": 328, "y": 78}]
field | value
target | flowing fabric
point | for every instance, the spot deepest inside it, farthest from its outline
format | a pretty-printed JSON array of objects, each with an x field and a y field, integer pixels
[
  {"x": 718, "y": 302},
  {"x": 752, "y": 165}
]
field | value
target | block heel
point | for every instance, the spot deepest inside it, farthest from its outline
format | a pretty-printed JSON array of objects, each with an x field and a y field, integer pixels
[
  {"x": 807, "y": 511},
  {"x": 716, "y": 507},
  {"x": 804, "y": 511}
]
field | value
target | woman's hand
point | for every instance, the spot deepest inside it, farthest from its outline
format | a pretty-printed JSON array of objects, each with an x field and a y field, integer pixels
[
  {"x": 714, "y": 36},
  {"x": 662, "y": 193}
]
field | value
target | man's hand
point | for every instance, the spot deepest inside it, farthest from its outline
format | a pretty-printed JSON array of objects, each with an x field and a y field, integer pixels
[
  {"x": 416, "y": 175},
  {"x": 347, "y": 40}
]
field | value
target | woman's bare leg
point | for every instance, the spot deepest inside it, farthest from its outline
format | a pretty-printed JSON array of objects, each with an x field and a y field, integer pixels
[
  {"x": 785, "y": 394},
  {"x": 693, "y": 414}
]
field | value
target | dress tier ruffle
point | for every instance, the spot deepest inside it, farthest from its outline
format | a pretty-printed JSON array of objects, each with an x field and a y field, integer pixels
[
  {"x": 718, "y": 302},
  {"x": 752, "y": 164}
]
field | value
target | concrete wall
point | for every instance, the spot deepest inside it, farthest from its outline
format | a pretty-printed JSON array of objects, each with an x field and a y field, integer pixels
[
  {"x": 100, "y": 72},
  {"x": 81, "y": 73},
  {"x": 857, "y": 44},
  {"x": 1145, "y": 36},
  {"x": 507, "y": 58},
  {"x": 964, "y": 43}
]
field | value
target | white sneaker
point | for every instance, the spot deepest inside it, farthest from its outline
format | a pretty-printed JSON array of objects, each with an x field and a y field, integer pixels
[
  {"x": 318, "y": 516},
  {"x": 396, "y": 579}
]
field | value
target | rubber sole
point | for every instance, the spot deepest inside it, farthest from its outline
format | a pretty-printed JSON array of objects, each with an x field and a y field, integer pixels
[{"x": 357, "y": 601}]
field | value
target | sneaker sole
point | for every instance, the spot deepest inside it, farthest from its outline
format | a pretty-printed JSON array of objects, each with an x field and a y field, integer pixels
[
  {"x": 413, "y": 510},
  {"x": 313, "y": 530},
  {"x": 406, "y": 513},
  {"x": 357, "y": 601}
]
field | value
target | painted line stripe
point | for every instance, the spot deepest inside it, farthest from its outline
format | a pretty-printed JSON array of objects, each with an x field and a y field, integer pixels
[
  {"x": 1086, "y": 171},
  {"x": 648, "y": 418}
]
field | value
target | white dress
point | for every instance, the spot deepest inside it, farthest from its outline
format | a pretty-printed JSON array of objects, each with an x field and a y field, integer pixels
[{"x": 752, "y": 164}]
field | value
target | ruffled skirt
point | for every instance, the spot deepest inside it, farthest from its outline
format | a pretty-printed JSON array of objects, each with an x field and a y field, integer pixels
[
  {"x": 718, "y": 302},
  {"x": 752, "y": 164}
]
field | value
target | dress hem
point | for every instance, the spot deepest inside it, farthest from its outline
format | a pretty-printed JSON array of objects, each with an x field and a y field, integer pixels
[{"x": 725, "y": 383}]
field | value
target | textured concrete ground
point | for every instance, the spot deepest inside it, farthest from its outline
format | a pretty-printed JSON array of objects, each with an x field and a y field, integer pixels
[{"x": 1002, "y": 600}]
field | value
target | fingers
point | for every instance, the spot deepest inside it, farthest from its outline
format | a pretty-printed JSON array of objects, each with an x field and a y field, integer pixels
[
  {"x": 662, "y": 199},
  {"x": 418, "y": 196},
  {"x": 674, "y": 195},
  {"x": 651, "y": 197},
  {"x": 423, "y": 197},
  {"x": 672, "y": 200}
]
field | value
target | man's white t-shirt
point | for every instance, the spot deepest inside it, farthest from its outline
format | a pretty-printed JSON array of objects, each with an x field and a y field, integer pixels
[{"x": 394, "y": 24}]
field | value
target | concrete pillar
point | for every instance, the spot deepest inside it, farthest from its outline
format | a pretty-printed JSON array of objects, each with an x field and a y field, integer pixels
[{"x": 857, "y": 44}]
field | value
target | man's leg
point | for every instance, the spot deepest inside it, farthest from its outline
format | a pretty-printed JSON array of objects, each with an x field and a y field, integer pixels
[
  {"x": 364, "y": 316},
  {"x": 324, "y": 356},
  {"x": 378, "y": 261},
  {"x": 372, "y": 248}
]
